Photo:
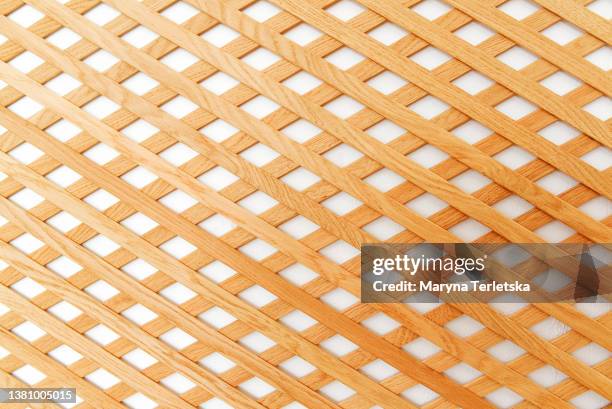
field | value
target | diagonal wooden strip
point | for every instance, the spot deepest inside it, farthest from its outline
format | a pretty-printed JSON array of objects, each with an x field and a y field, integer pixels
[
  {"x": 581, "y": 17},
  {"x": 543, "y": 46},
  {"x": 86, "y": 347},
  {"x": 370, "y": 97},
  {"x": 29, "y": 354},
  {"x": 424, "y": 79},
  {"x": 237, "y": 307},
  {"x": 265, "y": 134},
  {"x": 324, "y": 119},
  {"x": 134, "y": 289},
  {"x": 521, "y": 383},
  {"x": 500, "y": 72}
]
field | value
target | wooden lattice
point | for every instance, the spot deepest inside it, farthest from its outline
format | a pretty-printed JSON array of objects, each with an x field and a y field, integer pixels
[{"x": 175, "y": 237}]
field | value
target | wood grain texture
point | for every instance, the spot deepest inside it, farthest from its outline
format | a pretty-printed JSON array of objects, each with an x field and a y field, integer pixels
[{"x": 370, "y": 347}]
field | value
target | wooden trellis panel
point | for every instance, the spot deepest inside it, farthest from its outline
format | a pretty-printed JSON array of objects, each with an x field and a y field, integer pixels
[{"x": 185, "y": 187}]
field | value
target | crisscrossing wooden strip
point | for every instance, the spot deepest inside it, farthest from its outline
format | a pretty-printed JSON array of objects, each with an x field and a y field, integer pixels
[{"x": 185, "y": 186}]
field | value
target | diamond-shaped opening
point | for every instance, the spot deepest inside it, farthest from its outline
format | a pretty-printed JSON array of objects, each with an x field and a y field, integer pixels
[
  {"x": 102, "y": 378},
  {"x": 25, "y": 107},
  {"x": 298, "y": 275},
  {"x": 139, "y": 359},
  {"x": 217, "y": 317},
  {"x": 177, "y": 293},
  {"x": 559, "y": 132},
  {"x": 589, "y": 400},
  {"x": 513, "y": 206},
  {"x": 602, "y": 58},
  {"x": 139, "y": 314},
  {"x": 217, "y": 271},
  {"x": 561, "y": 83},
  {"x": 26, "y": 62},
  {"x": 302, "y": 82},
  {"x": 431, "y": 9},
  {"x": 298, "y": 321},
  {"x": 469, "y": 230},
  {"x": 514, "y": 157},
  {"x": 219, "y": 83},
  {"x": 298, "y": 227},
  {"x": 63, "y": 221},
  {"x": 421, "y": 348},
  {"x": 138, "y": 269},
  {"x": 388, "y": 33},
  {"x": 345, "y": 10},
  {"x": 429, "y": 107},
  {"x": 29, "y": 374},
  {"x": 555, "y": 231},
  {"x": 563, "y": 32},
  {"x": 179, "y": 12},
  {"x": 140, "y": 401},
  {"x": 344, "y": 107},
  {"x": 139, "y": 177},
  {"x": 101, "y": 60},
  {"x": 178, "y": 154},
  {"x": 379, "y": 370},
  {"x": 64, "y": 267},
  {"x": 28, "y": 288},
  {"x": 549, "y": 328},
  {"x": 259, "y": 154},
  {"x": 63, "y": 176},
  {"x": 504, "y": 398},
  {"x": 179, "y": 59},
  {"x": 101, "y": 290},
  {"x": 64, "y": 311},
  {"x": 303, "y": 34},
  {"x": 140, "y": 36},
  {"x": 26, "y": 243},
  {"x": 65, "y": 355},
  {"x": 345, "y": 58},
  {"x": 26, "y": 15},
  {"x": 139, "y": 130},
  {"x": 464, "y": 326},
  {"x": 339, "y": 299},
  {"x": 101, "y": 154},
  {"x": 428, "y": 156},
  {"x": 257, "y": 296},
  {"x": 597, "y": 208},
  {"x": 261, "y": 11},
  {"x": 601, "y": 8},
  {"x": 217, "y": 363},
  {"x": 179, "y": 107},
  {"x": 101, "y": 245},
  {"x": 26, "y": 198},
  {"x": 342, "y": 203},
  {"x": 102, "y": 14},
  {"x": 430, "y": 58},
  {"x": 26, "y": 153},
  {"x": 516, "y": 107},
  {"x": 556, "y": 182},
  {"x": 462, "y": 373},
  {"x": 258, "y": 202},
  {"x": 218, "y": 225},
  {"x": 220, "y": 35},
  {"x": 177, "y": 383},
  {"x": 387, "y": 82},
  {"x": 296, "y": 366},
  {"x": 470, "y": 181},
  {"x": 600, "y": 158},
  {"x": 218, "y": 130},
  {"x": 547, "y": 376},
  {"x": 337, "y": 391},
  {"x": 384, "y": 180},
  {"x": 102, "y": 335},
  {"x": 517, "y": 58},
  {"x": 426, "y": 204},
  {"x": 342, "y": 155},
  {"x": 474, "y": 33},
  {"x": 519, "y": 9},
  {"x": 551, "y": 280},
  {"x": 380, "y": 323},
  {"x": 300, "y": 179},
  {"x": 101, "y": 107},
  {"x": 592, "y": 354},
  {"x": 473, "y": 82},
  {"x": 218, "y": 178},
  {"x": 600, "y": 108},
  {"x": 256, "y": 387},
  {"x": 28, "y": 331},
  {"x": 257, "y": 342},
  {"x": 178, "y": 247},
  {"x": 339, "y": 251},
  {"x": 101, "y": 200},
  {"x": 383, "y": 228},
  {"x": 177, "y": 338},
  {"x": 260, "y": 106},
  {"x": 301, "y": 131},
  {"x": 506, "y": 351},
  {"x": 472, "y": 132},
  {"x": 419, "y": 394},
  {"x": 258, "y": 249},
  {"x": 63, "y": 84},
  {"x": 261, "y": 58}
]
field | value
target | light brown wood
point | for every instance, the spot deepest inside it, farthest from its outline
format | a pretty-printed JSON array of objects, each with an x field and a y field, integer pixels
[{"x": 352, "y": 228}]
